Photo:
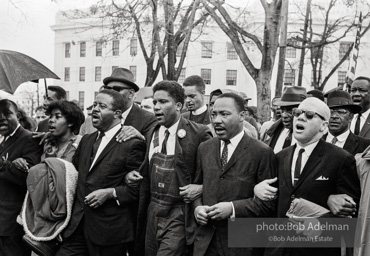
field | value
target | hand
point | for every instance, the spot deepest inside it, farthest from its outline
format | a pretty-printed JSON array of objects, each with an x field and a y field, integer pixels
[
  {"x": 220, "y": 211},
  {"x": 200, "y": 214},
  {"x": 21, "y": 164},
  {"x": 44, "y": 136},
  {"x": 98, "y": 197},
  {"x": 342, "y": 205},
  {"x": 191, "y": 192},
  {"x": 128, "y": 132},
  {"x": 264, "y": 191},
  {"x": 133, "y": 179}
]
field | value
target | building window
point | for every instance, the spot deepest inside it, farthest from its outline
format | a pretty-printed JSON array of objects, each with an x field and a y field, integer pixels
[
  {"x": 82, "y": 74},
  {"x": 99, "y": 48},
  {"x": 67, "y": 74},
  {"x": 81, "y": 99},
  {"x": 231, "y": 77},
  {"x": 115, "y": 47},
  {"x": 289, "y": 77},
  {"x": 83, "y": 49},
  {"x": 180, "y": 48},
  {"x": 291, "y": 52},
  {"x": 343, "y": 48},
  {"x": 113, "y": 68},
  {"x": 205, "y": 74},
  {"x": 133, "y": 70},
  {"x": 97, "y": 74},
  {"x": 133, "y": 46},
  {"x": 207, "y": 49},
  {"x": 342, "y": 77},
  {"x": 231, "y": 52},
  {"x": 67, "y": 50},
  {"x": 182, "y": 75}
]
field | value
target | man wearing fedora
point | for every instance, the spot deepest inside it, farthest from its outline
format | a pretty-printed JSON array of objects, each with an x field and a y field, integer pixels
[
  {"x": 360, "y": 93},
  {"x": 279, "y": 136}
]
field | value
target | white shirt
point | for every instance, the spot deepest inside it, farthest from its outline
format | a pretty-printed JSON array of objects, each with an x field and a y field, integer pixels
[
  {"x": 10, "y": 135},
  {"x": 280, "y": 141},
  {"x": 234, "y": 142},
  {"x": 341, "y": 138},
  {"x": 125, "y": 114},
  {"x": 305, "y": 155},
  {"x": 171, "y": 142},
  {"x": 105, "y": 140},
  {"x": 362, "y": 120},
  {"x": 199, "y": 111}
]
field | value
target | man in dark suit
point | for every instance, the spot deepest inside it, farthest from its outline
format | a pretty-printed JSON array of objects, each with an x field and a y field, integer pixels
[
  {"x": 16, "y": 142},
  {"x": 167, "y": 190},
  {"x": 229, "y": 167},
  {"x": 360, "y": 93},
  {"x": 54, "y": 93},
  {"x": 314, "y": 169},
  {"x": 279, "y": 135},
  {"x": 104, "y": 212},
  {"x": 194, "y": 87}
]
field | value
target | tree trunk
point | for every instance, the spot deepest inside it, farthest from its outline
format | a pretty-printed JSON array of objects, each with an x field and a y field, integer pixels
[{"x": 263, "y": 95}]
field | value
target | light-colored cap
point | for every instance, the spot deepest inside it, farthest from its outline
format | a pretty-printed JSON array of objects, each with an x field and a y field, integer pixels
[{"x": 316, "y": 105}]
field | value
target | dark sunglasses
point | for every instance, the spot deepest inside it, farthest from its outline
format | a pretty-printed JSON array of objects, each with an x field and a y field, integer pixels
[
  {"x": 116, "y": 88},
  {"x": 309, "y": 114}
]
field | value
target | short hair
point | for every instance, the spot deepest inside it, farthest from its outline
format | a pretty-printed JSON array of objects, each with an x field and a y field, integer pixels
[
  {"x": 239, "y": 101},
  {"x": 71, "y": 112},
  {"x": 8, "y": 103},
  {"x": 39, "y": 108},
  {"x": 195, "y": 80},
  {"x": 173, "y": 88},
  {"x": 118, "y": 102},
  {"x": 317, "y": 94},
  {"x": 59, "y": 92},
  {"x": 363, "y": 78}
]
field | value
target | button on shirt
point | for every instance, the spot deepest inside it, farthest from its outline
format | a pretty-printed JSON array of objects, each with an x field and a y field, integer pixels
[
  {"x": 105, "y": 140},
  {"x": 171, "y": 142},
  {"x": 362, "y": 120},
  {"x": 305, "y": 155},
  {"x": 341, "y": 138}
]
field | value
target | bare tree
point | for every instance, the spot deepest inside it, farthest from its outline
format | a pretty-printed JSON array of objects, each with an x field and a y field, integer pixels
[
  {"x": 267, "y": 47},
  {"x": 160, "y": 26}
]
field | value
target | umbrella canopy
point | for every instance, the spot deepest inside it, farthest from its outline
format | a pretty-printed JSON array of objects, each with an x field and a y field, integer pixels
[{"x": 17, "y": 68}]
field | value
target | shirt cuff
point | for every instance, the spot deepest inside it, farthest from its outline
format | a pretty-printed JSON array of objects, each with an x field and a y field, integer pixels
[
  {"x": 115, "y": 196},
  {"x": 232, "y": 217}
]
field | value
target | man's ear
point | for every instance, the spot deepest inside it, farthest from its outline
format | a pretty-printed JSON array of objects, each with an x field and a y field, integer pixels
[
  {"x": 117, "y": 113},
  {"x": 241, "y": 116},
  {"x": 178, "y": 106},
  {"x": 324, "y": 126},
  {"x": 19, "y": 115}
]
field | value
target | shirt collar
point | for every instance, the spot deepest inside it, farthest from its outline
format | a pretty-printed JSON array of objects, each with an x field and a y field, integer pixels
[
  {"x": 15, "y": 130},
  {"x": 200, "y": 110},
  {"x": 112, "y": 131},
  {"x": 234, "y": 141},
  {"x": 365, "y": 114},
  {"x": 308, "y": 149},
  {"x": 172, "y": 130},
  {"x": 341, "y": 137},
  {"x": 125, "y": 114}
]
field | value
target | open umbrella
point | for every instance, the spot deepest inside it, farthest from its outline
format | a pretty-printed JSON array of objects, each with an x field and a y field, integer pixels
[{"x": 17, "y": 68}]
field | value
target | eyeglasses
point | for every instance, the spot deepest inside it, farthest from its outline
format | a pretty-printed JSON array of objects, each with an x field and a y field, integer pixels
[
  {"x": 116, "y": 88},
  {"x": 309, "y": 114},
  {"x": 339, "y": 111}
]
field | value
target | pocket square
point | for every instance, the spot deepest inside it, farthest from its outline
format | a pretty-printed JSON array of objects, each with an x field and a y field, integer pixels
[{"x": 322, "y": 178}]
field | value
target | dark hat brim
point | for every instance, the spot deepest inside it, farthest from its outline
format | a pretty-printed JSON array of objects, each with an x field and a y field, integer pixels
[
  {"x": 352, "y": 107},
  {"x": 109, "y": 79}
]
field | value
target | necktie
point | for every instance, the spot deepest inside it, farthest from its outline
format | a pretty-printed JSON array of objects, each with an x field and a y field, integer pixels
[
  {"x": 164, "y": 144},
  {"x": 96, "y": 146},
  {"x": 288, "y": 140},
  {"x": 334, "y": 140},
  {"x": 224, "y": 154},
  {"x": 298, "y": 165},
  {"x": 357, "y": 125}
]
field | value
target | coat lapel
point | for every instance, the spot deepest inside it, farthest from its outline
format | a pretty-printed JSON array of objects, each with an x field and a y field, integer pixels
[
  {"x": 179, "y": 154},
  {"x": 4, "y": 146},
  {"x": 351, "y": 143},
  {"x": 312, "y": 162},
  {"x": 287, "y": 170},
  {"x": 131, "y": 115},
  {"x": 365, "y": 127},
  {"x": 240, "y": 151}
]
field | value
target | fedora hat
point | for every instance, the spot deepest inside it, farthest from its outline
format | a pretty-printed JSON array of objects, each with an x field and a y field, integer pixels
[
  {"x": 122, "y": 75},
  {"x": 342, "y": 98},
  {"x": 292, "y": 95}
]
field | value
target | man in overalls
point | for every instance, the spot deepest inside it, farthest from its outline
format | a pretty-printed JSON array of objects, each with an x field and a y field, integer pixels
[{"x": 166, "y": 189}]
